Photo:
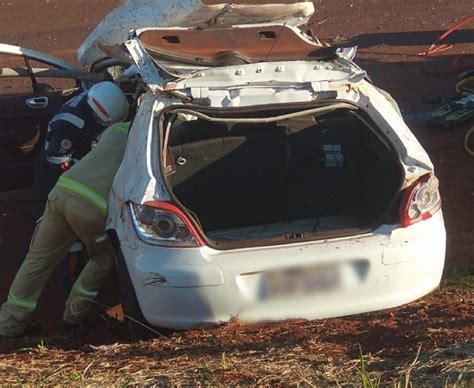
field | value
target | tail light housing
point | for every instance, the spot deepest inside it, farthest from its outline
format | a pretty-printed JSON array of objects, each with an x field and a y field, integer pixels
[
  {"x": 421, "y": 200},
  {"x": 164, "y": 224}
]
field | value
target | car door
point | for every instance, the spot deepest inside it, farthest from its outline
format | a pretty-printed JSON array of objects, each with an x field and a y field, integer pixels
[{"x": 27, "y": 101}]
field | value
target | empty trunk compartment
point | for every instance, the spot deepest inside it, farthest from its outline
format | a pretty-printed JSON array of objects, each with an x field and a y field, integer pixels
[{"x": 288, "y": 179}]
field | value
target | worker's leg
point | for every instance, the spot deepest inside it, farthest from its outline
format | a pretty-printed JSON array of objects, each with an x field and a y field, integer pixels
[
  {"x": 50, "y": 243},
  {"x": 89, "y": 225}
]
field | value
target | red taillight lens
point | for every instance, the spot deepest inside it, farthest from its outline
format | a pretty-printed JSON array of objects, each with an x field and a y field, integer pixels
[
  {"x": 420, "y": 201},
  {"x": 164, "y": 224}
]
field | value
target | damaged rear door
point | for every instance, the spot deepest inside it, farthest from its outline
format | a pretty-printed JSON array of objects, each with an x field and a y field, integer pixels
[{"x": 32, "y": 87}]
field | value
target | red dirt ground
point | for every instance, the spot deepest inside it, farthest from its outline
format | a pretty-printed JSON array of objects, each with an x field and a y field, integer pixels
[
  {"x": 389, "y": 34},
  {"x": 433, "y": 336}
]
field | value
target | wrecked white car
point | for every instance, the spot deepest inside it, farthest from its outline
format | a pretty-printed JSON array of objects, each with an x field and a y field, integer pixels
[{"x": 265, "y": 177}]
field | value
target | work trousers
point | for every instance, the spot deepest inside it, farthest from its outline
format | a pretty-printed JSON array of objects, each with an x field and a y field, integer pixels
[{"x": 66, "y": 218}]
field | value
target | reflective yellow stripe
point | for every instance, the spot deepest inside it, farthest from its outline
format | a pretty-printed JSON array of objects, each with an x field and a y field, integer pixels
[
  {"x": 75, "y": 187},
  {"x": 82, "y": 291},
  {"x": 24, "y": 304},
  {"x": 122, "y": 127}
]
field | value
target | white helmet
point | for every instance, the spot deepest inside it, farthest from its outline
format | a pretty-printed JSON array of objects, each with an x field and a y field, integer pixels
[{"x": 108, "y": 102}]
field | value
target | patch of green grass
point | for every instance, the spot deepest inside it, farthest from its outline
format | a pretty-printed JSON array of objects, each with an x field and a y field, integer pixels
[
  {"x": 462, "y": 278},
  {"x": 73, "y": 376},
  {"x": 460, "y": 381},
  {"x": 366, "y": 380}
]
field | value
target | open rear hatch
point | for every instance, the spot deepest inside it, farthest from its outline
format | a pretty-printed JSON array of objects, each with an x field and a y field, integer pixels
[
  {"x": 281, "y": 175},
  {"x": 188, "y": 31},
  {"x": 270, "y": 175}
]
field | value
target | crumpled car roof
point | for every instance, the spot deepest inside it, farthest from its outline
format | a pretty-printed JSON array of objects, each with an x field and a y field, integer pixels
[{"x": 113, "y": 30}]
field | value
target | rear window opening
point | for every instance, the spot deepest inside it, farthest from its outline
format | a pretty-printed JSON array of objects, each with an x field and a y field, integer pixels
[{"x": 280, "y": 177}]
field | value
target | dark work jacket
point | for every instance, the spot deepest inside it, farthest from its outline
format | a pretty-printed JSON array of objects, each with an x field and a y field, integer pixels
[{"x": 71, "y": 132}]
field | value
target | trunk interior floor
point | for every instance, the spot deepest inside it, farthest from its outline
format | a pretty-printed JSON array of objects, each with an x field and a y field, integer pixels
[
  {"x": 294, "y": 228},
  {"x": 262, "y": 174}
]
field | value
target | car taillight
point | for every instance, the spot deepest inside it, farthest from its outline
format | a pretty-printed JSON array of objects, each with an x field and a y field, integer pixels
[
  {"x": 421, "y": 200},
  {"x": 164, "y": 224}
]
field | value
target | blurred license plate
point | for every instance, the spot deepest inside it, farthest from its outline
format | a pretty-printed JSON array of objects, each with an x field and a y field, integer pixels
[{"x": 299, "y": 281}]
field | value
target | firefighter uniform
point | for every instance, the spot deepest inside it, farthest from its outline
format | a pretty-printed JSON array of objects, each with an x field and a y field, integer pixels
[{"x": 76, "y": 208}]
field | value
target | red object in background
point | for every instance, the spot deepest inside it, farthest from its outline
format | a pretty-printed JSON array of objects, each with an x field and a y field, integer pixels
[{"x": 460, "y": 62}]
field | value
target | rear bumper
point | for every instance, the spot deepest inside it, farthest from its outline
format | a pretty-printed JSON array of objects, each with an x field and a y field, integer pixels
[{"x": 181, "y": 288}]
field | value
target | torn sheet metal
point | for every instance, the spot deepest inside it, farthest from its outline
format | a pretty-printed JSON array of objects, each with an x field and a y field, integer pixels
[
  {"x": 132, "y": 14},
  {"x": 148, "y": 71}
]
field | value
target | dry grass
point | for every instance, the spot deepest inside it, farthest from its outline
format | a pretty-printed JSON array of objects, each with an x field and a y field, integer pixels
[
  {"x": 166, "y": 362},
  {"x": 427, "y": 343},
  {"x": 206, "y": 360}
]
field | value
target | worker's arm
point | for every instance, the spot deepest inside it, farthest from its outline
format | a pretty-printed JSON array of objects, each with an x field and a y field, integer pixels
[{"x": 61, "y": 142}]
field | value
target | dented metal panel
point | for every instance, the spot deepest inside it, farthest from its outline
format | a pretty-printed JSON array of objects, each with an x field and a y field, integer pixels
[
  {"x": 28, "y": 53},
  {"x": 146, "y": 67},
  {"x": 106, "y": 39},
  {"x": 137, "y": 178},
  {"x": 291, "y": 12}
]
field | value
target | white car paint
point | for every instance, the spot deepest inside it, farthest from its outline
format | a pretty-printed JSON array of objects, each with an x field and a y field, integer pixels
[
  {"x": 204, "y": 285},
  {"x": 36, "y": 55},
  {"x": 184, "y": 287},
  {"x": 62, "y": 69},
  {"x": 132, "y": 15}
]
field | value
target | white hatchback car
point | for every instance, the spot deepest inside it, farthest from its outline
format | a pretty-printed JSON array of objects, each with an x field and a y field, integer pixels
[{"x": 265, "y": 177}]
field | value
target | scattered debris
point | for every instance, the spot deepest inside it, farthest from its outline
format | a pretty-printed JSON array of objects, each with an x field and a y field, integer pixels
[
  {"x": 453, "y": 113},
  {"x": 459, "y": 63}
]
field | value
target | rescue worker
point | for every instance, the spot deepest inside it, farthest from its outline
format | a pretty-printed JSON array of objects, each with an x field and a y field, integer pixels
[
  {"x": 74, "y": 128},
  {"x": 76, "y": 208}
]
